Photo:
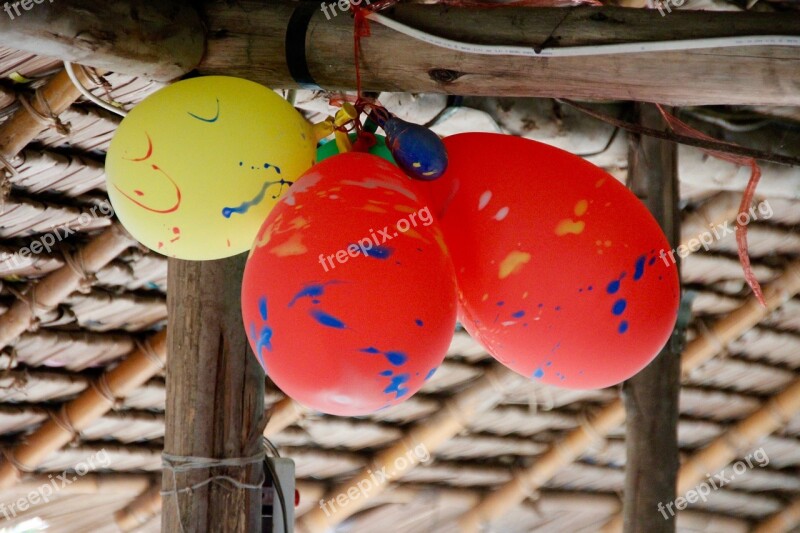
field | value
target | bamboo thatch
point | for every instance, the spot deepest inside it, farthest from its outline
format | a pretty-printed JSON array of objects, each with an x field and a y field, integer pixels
[{"x": 561, "y": 451}]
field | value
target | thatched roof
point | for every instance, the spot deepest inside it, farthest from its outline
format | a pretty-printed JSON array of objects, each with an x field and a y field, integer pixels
[{"x": 59, "y": 177}]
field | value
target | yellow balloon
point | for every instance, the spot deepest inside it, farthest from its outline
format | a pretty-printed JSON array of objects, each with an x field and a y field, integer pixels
[{"x": 195, "y": 168}]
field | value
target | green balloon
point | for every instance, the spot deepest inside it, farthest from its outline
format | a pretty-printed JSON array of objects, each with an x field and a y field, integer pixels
[{"x": 329, "y": 149}]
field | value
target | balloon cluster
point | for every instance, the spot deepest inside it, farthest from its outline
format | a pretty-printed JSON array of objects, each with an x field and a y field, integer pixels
[{"x": 356, "y": 273}]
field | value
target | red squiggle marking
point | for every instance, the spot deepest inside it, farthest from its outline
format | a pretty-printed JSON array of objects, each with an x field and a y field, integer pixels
[
  {"x": 149, "y": 151},
  {"x": 172, "y": 209}
]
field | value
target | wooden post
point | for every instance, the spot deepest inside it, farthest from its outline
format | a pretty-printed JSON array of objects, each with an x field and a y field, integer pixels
[
  {"x": 215, "y": 399},
  {"x": 651, "y": 397}
]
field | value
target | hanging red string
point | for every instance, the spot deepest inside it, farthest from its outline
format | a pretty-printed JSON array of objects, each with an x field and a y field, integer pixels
[{"x": 682, "y": 128}]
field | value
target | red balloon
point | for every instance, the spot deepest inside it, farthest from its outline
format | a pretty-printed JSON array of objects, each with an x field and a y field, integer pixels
[
  {"x": 561, "y": 270},
  {"x": 349, "y": 296}
]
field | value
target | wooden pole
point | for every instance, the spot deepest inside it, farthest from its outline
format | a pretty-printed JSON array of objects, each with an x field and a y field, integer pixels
[
  {"x": 163, "y": 40},
  {"x": 54, "y": 97},
  {"x": 156, "y": 39},
  {"x": 79, "y": 413},
  {"x": 249, "y": 41},
  {"x": 741, "y": 438},
  {"x": 140, "y": 511},
  {"x": 58, "y": 285},
  {"x": 651, "y": 396},
  {"x": 283, "y": 414},
  {"x": 783, "y": 521},
  {"x": 215, "y": 400},
  {"x": 416, "y": 445},
  {"x": 577, "y": 441},
  {"x": 148, "y": 504}
]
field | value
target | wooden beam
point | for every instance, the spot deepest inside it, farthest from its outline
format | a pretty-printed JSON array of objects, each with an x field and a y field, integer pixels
[
  {"x": 157, "y": 39},
  {"x": 76, "y": 415},
  {"x": 215, "y": 400},
  {"x": 783, "y": 521},
  {"x": 741, "y": 438},
  {"x": 249, "y": 41},
  {"x": 58, "y": 285},
  {"x": 651, "y": 396},
  {"x": 454, "y": 416},
  {"x": 54, "y": 97},
  {"x": 707, "y": 345}
]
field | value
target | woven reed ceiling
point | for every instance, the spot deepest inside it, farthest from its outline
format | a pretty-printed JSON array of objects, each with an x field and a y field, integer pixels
[{"x": 59, "y": 177}]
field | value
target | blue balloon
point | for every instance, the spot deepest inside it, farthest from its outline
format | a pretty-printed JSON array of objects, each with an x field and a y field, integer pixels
[{"x": 416, "y": 149}]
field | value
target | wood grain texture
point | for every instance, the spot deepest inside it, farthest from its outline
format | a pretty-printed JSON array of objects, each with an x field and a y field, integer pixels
[
  {"x": 651, "y": 396},
  {"x": 160, "y": 40},
  {"x": 215, "y": 397},
  {"x": 248, "y": 40}
]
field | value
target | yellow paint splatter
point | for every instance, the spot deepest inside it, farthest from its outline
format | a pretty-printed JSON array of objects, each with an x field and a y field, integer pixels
[
  {"x": 405, "y": 208},
  {"x": 607, "y": 244},
  {"x": 513, "y": 263},
  {"x": 567, "y": 226},
  {"x": 379, "y": 202},
  {"x": 525, "y": 295},
  {"x": 581, "y": 207},
  {"x": 485, "y": 297},
  {"x": 440, "y": 241},
  {"x": 293, "y": 246},
  {"x": 373, "y": 208},
  {"x": 416, "y": 164},
  {"x": 298, "y": 223},
  {"x": 600, "y": 182}
]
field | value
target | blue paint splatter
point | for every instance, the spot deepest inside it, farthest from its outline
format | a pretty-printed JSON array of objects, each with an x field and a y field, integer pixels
[
  {"x": 619, "y": 306},
  {"x": 386, "y": 373},
  {"x": 209, "y": 120},
  {"x": 590, "y": 287},
  {"x": 419, "y": 322},
  {"x": 549, "y": 363},
  {"x": 313, "y": 290},
  {"x": 327, "y": 320},
  {"x": 623, "y": 326},
  {"x": 430, "y": 373},
  {"x": 518, "y": 314},
  {"x": 500, "y": 303},
  {"x": 558, "y": 308},
  {"x": 379, "y": 252},
  {"x": 539, "y": 373},
  {"x": 397, "y": 386},
  {"x": 264, "y": 340},
  {"x": 613, "y": 287},
  {"x": 652, "y": 261},
  {"x": 265, "y": 335},
  {"x": 228, "y": 212},
  {"x": 396, "y": 358},
  {"x": 639, "y": 271}
]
